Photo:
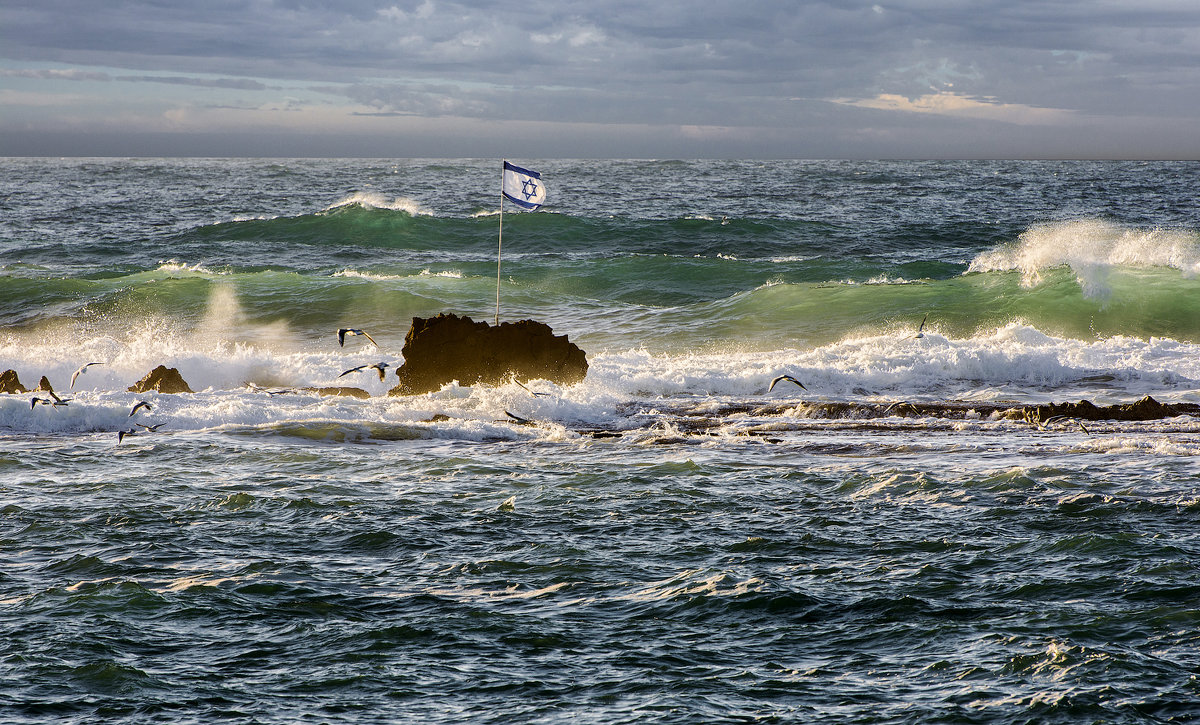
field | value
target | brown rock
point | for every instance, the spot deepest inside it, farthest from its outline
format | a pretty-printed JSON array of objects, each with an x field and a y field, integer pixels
[
  {"x": 44, "y": 386},
  {"x": 162, "y": 379},
  {"x": 446, "y": 348},
  {"x": 10, "y": 383},
  {"x": 1145, "y": 409}
]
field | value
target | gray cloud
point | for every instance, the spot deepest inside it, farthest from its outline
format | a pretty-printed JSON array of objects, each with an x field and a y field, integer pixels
[
  {"x": 241, "y": 84},
  {"x": 53, "y": 74},
  {"x": 812, "y": 68}
]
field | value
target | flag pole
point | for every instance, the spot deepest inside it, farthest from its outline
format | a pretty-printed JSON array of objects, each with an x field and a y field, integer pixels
[{"x": 499, "y": 244}]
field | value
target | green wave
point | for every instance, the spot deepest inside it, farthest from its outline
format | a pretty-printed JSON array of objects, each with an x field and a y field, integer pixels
[
  {"x": 693, "y": 298},
  {"x": 1143, "y": 303}
]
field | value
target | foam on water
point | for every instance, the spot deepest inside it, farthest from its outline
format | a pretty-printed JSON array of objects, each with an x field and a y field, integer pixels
[
  {"x": 1093, "y": 249},
  {"x": 665, "y": 539},
  {"x": 1014, "y": 361},
  {"x": 376, "y": 200},
  {"x": 174, "y": 267},
  {"x": 357, "y": 274}
]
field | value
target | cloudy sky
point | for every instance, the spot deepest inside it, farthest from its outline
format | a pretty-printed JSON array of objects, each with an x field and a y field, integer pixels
[{"x": 602, "y": 78}]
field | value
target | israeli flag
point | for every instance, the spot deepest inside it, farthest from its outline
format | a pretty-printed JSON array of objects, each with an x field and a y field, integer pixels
[{"x": 523, "y": 187}]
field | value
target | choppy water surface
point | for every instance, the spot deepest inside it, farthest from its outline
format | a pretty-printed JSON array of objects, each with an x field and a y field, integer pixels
[{"x": 667, "y": 541}]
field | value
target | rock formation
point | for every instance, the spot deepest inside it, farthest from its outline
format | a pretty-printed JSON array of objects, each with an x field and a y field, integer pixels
[
  {"x": 162, "y": 379},
  {"x": 1145, "y": 409},
  {"x": 44, "y": 386},
  {"x": 10, "y": 383},
  {"x": 442, "y": 349}
]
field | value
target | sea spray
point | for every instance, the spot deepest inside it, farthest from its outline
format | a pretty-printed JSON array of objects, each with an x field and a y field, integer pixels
[
  {"x": 889, "y": 545},
  {"x": 1095, "y": 250}
]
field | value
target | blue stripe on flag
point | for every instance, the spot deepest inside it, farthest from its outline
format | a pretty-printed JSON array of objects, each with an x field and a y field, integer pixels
[{"x": 519, "y": 170}]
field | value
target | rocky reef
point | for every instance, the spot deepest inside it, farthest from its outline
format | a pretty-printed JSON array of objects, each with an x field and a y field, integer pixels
[
  {"x": 439, "y": 350},
  {"x": 163, "y": 379}
]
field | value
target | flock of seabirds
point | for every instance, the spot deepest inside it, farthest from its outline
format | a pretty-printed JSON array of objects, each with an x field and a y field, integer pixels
[
  {"x": 56, "y": 401},
  {"x": 380, "y": 367}
]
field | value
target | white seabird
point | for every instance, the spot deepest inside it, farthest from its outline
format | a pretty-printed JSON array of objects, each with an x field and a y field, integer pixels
[
  {"x": 81, "y": 371},
  {"x": 379, "y": 366},
  {"x": 353, "y": 331}
]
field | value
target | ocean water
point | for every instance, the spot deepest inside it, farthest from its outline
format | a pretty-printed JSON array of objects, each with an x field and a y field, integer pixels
[{"x": 668, "y": 541}]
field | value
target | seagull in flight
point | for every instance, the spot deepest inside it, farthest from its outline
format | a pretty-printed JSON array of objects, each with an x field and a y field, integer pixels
[
  {"x": 518, "y": 419},
  {"x": 122, "y": 433},
  {"x": 353, "y": 331},
  {"x": 258, "y": 389},
  {"x": 921, "y": 329},
  {"x": 534, "y": 393},
  {"x": 52, "y": 400},
  {"x": 82, "y": 370},
  {"x": 380, "y": 366},
  {"x": 789, "y": 379},
  {"x": 139, "y": 405},
  {"x": 150, "y": 428},
  {"x": 1063, "y": 419}
]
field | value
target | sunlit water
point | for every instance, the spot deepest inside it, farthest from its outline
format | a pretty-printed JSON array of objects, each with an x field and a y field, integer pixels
[{"x": 667, "y": 541}]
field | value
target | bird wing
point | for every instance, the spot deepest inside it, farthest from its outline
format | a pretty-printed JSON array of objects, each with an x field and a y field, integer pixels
[
  {"x": 82, "y": 369},
  {"x": 342, "y": 337},
  {"x": 788, "y": 378},
  {"x": 369, "y": 338},
  {"x": 354, "y": 370}
]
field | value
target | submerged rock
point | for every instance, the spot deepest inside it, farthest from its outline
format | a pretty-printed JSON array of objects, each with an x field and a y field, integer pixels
[
  {"x": 442, "y": 349},
  {"x": 1145, "y": 409},
  {"x": 162, "y": 379},
  {"x": 10, "y": 383}
]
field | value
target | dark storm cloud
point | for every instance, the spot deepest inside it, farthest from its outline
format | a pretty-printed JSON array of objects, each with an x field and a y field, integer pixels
[{"x": 810, "y": 67}]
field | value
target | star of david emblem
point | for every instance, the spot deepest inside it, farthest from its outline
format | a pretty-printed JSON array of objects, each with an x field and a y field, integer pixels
[{"x": 529, "y": 188}]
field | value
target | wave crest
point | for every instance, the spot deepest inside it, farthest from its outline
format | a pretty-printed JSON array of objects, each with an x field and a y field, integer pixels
[
  {"x": 1093, "y": 249},
  {"x": 375, "y": 200}
]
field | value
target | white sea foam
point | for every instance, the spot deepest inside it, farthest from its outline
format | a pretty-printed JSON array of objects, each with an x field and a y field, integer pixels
[
  {"x": 1093, "y": 249},
  {"x": 791, "y": 258},
  {"x": 374, "y": 200},
  {"x": 881, "y": 279},
  {"x": 1013, "y": 362},
  {"x": 357, "y": 274},
  {"x": 175, "y": 268}
]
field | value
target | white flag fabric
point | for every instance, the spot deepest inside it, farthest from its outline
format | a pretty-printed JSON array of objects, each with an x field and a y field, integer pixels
[{"x": 523, "y": 187}]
